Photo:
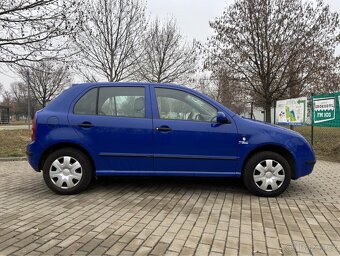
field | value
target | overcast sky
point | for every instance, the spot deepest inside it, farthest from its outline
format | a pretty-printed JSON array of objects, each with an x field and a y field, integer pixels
[{"x": 192, "y": 17}]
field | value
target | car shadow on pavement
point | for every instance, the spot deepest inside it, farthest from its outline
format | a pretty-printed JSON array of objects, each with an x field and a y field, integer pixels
[{"x": 212, "y": 183}]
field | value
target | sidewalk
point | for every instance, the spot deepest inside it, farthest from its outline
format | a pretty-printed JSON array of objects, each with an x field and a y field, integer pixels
[
  {"x": 14, "y": 127},
  {"x": 172, "y": 216}
]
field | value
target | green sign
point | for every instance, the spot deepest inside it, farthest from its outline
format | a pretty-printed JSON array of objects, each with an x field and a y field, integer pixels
[{"x": 326, "y": 110}]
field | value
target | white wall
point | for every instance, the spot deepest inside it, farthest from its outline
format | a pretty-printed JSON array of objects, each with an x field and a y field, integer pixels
[{"x": 258, "y": 113}]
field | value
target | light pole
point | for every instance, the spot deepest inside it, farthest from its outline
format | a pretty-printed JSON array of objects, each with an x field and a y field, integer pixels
[{"x": 28, "y": 99}]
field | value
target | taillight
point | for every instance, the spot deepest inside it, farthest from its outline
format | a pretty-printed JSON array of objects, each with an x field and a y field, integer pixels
[{"x": 34, "y": 125}]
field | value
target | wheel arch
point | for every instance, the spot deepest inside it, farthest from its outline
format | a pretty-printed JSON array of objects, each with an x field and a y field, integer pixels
[
  {"x": 57, "y": 146},
  {"x": 276, "y": 149}
]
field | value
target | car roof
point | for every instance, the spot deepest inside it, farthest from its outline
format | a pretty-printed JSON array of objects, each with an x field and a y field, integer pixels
[{"x": 94, "y": 84}]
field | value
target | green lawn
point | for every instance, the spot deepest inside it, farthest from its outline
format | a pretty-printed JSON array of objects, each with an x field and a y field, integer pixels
[{"x": 13, "y": 142}]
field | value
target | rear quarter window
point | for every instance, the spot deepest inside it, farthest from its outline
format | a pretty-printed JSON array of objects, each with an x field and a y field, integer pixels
[{"x": 87, "y": 104}]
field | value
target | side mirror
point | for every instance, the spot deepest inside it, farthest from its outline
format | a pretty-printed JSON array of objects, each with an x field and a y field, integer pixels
[{"x": 221, "y": 118}]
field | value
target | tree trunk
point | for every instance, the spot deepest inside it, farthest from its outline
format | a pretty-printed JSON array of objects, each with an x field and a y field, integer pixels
[{"x": 268, "y": 112}]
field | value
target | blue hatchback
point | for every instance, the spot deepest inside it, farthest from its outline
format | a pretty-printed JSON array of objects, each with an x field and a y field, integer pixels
[{"x": 105, "y": 129}]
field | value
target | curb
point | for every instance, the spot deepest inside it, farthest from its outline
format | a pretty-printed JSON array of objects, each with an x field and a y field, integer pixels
[{"x": 12, "y": 159}]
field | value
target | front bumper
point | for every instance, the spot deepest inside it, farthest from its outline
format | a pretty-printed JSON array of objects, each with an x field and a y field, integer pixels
[
  {"x": 310, "y": 162},
  {"x": 304, "y": 164}
]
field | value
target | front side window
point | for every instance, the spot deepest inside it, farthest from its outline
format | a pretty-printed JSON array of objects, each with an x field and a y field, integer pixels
[
  {"x": 179, "y": 105},
  {"x": 121, "y": 101},
  {"x": 86, "y": 105}
]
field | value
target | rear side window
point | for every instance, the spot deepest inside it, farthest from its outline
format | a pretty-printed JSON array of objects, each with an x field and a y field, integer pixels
[
  {"x": 86, "y": 105},
  {"x": 122, "y": 101}
]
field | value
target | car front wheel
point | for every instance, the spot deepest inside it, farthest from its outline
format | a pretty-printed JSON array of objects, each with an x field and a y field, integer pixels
[
  {"x": 267, "y": 174},
  {"x": 67, "y": 171}
]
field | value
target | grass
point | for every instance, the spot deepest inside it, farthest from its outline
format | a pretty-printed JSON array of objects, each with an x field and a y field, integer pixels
[
  {"x": 13, "y": 142},
  {"x": 326, "y": 142}
]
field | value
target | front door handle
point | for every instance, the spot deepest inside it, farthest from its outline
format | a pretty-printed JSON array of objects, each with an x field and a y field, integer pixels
[
  {"x": 86, "y": 125},
  {"x": 163, "y": 128}
]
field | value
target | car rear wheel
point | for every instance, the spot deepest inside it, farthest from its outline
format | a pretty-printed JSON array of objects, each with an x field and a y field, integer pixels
[
  {"x": 67, "y": 171},
  {"x": 267, "y": 174}
]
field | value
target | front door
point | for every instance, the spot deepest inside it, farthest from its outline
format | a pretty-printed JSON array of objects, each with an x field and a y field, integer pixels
[{"x": 187, "y": 138}]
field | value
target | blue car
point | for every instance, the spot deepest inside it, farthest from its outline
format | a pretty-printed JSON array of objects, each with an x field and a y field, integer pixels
[{"x": 146, "y": 129}]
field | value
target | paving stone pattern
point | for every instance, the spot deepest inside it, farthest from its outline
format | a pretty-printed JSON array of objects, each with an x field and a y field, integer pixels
[{"x": 171, "y": 216}]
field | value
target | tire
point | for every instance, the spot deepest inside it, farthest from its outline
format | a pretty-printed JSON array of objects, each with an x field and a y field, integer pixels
[
  {"x": 267, "y": 174},
  {"x": 67, "y": 171}
]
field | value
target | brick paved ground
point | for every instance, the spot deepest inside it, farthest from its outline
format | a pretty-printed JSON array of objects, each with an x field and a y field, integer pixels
[{"x": 176, "y": 216}]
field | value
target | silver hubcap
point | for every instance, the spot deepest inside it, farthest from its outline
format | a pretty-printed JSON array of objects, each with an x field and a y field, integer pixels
[
  {"x": 269, "y": 175},
  {"x": 66, "y": 172}
]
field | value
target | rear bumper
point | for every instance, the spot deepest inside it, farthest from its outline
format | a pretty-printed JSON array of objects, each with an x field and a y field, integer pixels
[{"x": 33, "y": 152}]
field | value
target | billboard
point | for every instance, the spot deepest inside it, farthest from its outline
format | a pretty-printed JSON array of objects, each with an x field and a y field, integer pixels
[
  {"x": 326, "y": 110},
  {"x": 291, "y": 111}
]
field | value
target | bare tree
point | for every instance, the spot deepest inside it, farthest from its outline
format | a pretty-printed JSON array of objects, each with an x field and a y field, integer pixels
[
  {"x": 230, "y": 93},
  {"x": 273, "y": 45},
  {"x": 32, "y": 30},
  {"x": 221, "y": 87},
  {"x": 16, "y": 99},
  {"x": 167, "y": 57},
  {"x": 326, "y": 80},
  {"x": 6, "y": 98},
  {"x": 18, "y": 92},
  {"x": 204, "y": 83},
  {"x": 46, "y": 80},
  {"x": 110, "y": 39}
]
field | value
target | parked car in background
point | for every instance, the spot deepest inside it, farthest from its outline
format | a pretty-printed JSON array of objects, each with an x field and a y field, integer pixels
[{"x": 107, "y": 129}]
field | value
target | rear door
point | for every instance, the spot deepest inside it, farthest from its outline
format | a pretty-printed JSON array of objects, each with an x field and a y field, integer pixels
[
  {"x": 115, "y": 122},
  {"x": 187, "y": 138}
]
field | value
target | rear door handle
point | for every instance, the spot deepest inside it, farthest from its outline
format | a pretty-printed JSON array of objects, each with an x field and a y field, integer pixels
[
  {"x": 163, "y": 128},
  {"x": 86, "y": 125}
]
